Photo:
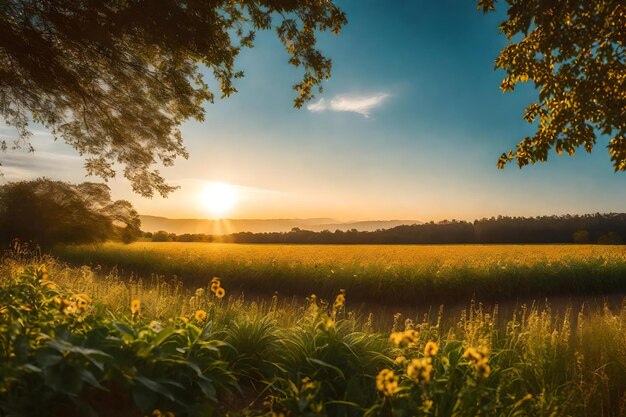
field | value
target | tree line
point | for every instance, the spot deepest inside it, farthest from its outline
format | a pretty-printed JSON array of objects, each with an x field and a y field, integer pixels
[{"x": 598, "y": 228}]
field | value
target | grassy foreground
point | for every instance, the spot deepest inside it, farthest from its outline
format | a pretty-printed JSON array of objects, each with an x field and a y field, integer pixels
[
  {"x": 73, "y": 343},
  {"x": 388, "y": 274}
]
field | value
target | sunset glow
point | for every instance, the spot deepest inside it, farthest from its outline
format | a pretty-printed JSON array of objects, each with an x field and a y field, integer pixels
[{"x": 218, "y": 198}]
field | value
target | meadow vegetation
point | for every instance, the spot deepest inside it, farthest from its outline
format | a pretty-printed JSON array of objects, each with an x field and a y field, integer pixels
[
  {"x": 76, "y": 342},
  {"x": 387, "y": 274}
]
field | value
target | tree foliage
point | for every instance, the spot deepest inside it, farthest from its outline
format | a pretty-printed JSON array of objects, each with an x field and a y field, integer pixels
[
  {"x": 50, "y": 212},
  {"x": 115, "y": 78},
  {"x": 574, "y": 52}
]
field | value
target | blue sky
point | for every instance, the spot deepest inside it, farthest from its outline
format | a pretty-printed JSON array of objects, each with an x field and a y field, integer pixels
[{"x": 410, "y": 126}]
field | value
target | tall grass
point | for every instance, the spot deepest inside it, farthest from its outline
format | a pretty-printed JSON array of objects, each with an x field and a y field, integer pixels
[
  {"x": 277, "y": 357},
  {"x": 409, "y": 275}
]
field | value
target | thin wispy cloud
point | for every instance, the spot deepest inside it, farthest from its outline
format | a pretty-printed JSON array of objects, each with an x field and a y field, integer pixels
[
  {"x": 27, "y": 165},
  {"x": 362, "y": 104}
]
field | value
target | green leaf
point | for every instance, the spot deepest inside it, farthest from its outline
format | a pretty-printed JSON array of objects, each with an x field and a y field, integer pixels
[
  {"x": 326, "y": 365},
  {"x": 155, "y": 387}
]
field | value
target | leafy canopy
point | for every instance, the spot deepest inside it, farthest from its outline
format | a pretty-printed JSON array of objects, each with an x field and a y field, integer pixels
[
  {"x": 115, "y": 78},
  {"x": 574, "y": 52},
  {"x": 51, "y": 212}
]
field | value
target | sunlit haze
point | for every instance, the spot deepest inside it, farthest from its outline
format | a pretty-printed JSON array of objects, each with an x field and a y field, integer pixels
[{"x": 218, "y": 199}]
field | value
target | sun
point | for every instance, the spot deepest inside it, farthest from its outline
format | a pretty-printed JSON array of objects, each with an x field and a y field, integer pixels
[{"x": 219, "y": 198}]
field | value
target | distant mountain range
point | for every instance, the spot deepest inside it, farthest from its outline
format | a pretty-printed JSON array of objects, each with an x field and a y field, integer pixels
[{"x": 226, "y": 226}]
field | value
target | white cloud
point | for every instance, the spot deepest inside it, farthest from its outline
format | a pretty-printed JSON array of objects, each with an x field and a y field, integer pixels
[
  {"x": 356, "y": 104},
  {"x": 21, "y": 165}
]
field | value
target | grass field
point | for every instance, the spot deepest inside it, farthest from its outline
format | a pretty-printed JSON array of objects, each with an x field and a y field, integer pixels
[
  {"x": 385, "y": 274},
  {"x": 74, "y": 342}
]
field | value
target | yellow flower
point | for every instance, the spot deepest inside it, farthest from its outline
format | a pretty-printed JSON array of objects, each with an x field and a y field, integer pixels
[
  {"x": 220, "y": 292},
  {"x": 307, "y": 384},
  {"x": 431, "y": 349},
  {"x": 313, "y": 306},
  {"x": 81, "y": 301},
  {"x": 400, "y": 360},
  {"x": 407, "y": 338},
  {"x": 411, "y": 337},
  {"x": 215, "y": 284},
  {"x": 66, "y": 307},
  {"x": 427, "y": 405},
  {"x": 419, "y": 370},
  {"x": 49, "y": 284},
  {"x": 135, "y": 307},
  {"x": 396, "y": 338},
  {"x": 42, "y": 272},
  {"x": 483, "y": 370},
  {"x": 340, "y": 301},
  {"x": 200, "y": 315},
  {"x": 476, "y": 355},
  {"x": 157, "y": 413},
  {"x": 326, "y": 324},
  {"x": 479, "y": 359},
  {"x": 387, "y": 382}
]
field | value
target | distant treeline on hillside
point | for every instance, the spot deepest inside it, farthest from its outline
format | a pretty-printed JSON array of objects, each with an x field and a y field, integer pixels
[{"x": 590, "y": 228}]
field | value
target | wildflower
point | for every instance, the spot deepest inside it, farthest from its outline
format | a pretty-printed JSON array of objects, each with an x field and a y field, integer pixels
[
  {"x": 419, "y": 370},
  {"x": 159, "y": 413},
  {"x": 42, "y": 272},
  {"x": 155, "y": 326},
  {"x": 476, "y": 355},
  {"x": 411, "y": 337},
  {"x": 340, "y": 300},
  {"x": 483, "y": 370},
  {"x": 200, "y": 292},
  {"x": 326, "y": 324},
  {"x": 400, "y": 360},
  {"x": 66, "y": 307},
  {"x": 387, "y": 382},
  {"x": 215, "y": 284},
  {"x": 478, "y": 358},
  {"x": 135, "y": 307},
  {"x": 407, "y": 338},
  {"x": 313, "y": 303},
  {"x": 427, "y": 405},
  {"x": 396, "y": 338},
  {"x": 307, "y": 384},
  {"x": 431, "y": 349},
  {"x": 220, "y": 292},
  {"x": 49, "y": 284},
  {"x": 81, "y": 301},
  {"x": 200, "y": 315}
]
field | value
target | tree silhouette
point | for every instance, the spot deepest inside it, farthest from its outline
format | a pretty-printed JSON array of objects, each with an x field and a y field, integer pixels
[
  {"x": 50, "y": 212},
  {"x": 115, "y": 78}
]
